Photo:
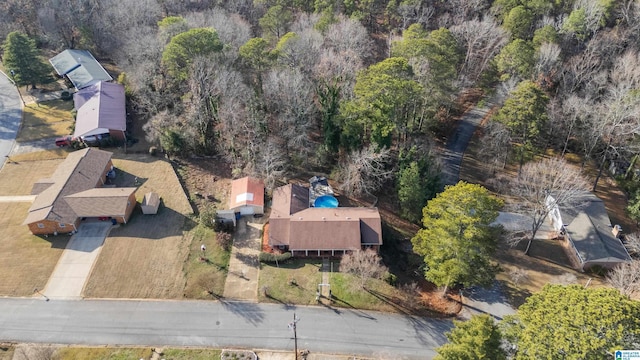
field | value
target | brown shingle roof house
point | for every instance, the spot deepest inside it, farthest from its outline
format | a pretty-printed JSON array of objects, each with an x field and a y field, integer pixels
[
  {"x": 310, "y": 231},
  {"x": 75, "y": 191}
]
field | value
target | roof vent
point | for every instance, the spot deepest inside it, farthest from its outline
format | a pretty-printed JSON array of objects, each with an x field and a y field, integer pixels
[
  {"x": 324, "y": 218},
  {"x": 300, "y": 218},
  {"x": 348, "y": 218}
]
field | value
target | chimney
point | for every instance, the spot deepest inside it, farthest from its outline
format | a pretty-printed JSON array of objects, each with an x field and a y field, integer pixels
[{"x": 617, "y": 231}]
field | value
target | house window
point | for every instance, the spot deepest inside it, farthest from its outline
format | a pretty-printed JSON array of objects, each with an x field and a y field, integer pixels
[
  {"x": 62, "y": 225},
  {"x": 40, "y": 225}
]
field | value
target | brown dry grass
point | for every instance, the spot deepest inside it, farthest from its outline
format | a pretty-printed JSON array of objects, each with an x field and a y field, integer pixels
[
  {"x": 17, "y": 178},
  {"x": 145, "y": 258},
  {"x": 46, "y": 119},
  {"x": 26, "y": 260},
  {"x": 53, "y": 154}
]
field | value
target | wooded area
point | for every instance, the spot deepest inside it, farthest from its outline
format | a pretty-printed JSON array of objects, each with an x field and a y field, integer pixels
[
  {"x": 277, "y": 85},
  {"x": 368, "y": 91}
]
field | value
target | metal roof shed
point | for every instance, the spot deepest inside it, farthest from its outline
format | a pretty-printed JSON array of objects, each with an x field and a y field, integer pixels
[{"x": 80, "y": 67}]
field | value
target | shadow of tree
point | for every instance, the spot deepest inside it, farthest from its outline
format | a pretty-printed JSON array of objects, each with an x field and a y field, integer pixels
[{"x": 250, "y": 312}]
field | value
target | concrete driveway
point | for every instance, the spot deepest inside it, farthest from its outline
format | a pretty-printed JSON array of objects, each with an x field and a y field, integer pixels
[
  {"x": 75, "y": 264},
  {"x": 10, "y": 117},
  {"x": 244, "y": 266}
]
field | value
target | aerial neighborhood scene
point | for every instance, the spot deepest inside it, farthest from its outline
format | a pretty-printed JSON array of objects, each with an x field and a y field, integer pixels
[{"x": 328, "y": 179}]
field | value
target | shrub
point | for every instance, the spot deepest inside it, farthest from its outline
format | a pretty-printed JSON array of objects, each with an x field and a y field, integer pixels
[
  {"x": 224, "y": 239},
  {"x": 266, "y": 257},
  {"x": 390, "y": 278},
  {"x": 208, "y": 216}
]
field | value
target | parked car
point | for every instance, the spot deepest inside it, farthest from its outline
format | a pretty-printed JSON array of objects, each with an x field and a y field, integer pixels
[
  {"x": 64, "y": 141},
  {"x": 94, "y": 140}
]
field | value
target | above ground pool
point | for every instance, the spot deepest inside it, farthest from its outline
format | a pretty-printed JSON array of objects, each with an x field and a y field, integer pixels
[{"x": 326, "y": 201}]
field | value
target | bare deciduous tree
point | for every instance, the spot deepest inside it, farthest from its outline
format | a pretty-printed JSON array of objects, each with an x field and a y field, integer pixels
[
  {"x": 272, "y": 164},
  {"x": 538, "y": 180},
  {"x": 482, "y": 41},
  {"x": 289, "y": 97},
  {"x": 364, "y": 265},
  {"x": 626, "y": 277},
  {"x": 632, "y": 243},
  {"x": 348, "y": 34},
  {"x": 494, "y": 149},
  {"x": 365, "y": 171}
]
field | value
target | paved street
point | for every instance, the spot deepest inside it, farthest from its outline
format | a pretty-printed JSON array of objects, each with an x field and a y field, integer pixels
[
  {"x": 10, "y": 116},
  {"x": 218, "y": 324}
]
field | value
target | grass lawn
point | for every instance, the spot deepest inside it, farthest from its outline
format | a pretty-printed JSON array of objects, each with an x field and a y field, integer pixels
[
  {"x": 82, "y": 353},
  {"x": 145, "y": 257},
  {"x": 378, "y": 295},
  {"x": 28, "y": 172},
  {"x": 113, "y": 353},
  {"x": 205, "y": 279},
  {"x": 53, "y": 154},
  {"x": 6, "y": 352},
  {"x": 45, "y": 120},
  {"x": 294, "y": 282},
  {"x": 190, "y": 354},
  {"x": 26, "y": 260}
]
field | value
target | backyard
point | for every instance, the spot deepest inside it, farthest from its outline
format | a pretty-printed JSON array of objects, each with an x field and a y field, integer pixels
[{"x": 144, "y": 258}]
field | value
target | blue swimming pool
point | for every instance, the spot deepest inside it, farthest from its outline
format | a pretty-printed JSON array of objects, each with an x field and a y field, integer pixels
[{"x": 326, "y": 201}]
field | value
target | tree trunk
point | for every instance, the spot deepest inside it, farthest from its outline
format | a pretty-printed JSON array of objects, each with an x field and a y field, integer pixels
[
  {"x": 595, "y": 182},
  {"x": 526, "y": 251}
]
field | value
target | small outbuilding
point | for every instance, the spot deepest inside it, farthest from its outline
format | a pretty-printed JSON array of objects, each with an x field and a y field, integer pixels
[
  {"x": 247, "y": 196},
  {"x": 150, "y": 203},
  {"x": 80, "y": 67}
]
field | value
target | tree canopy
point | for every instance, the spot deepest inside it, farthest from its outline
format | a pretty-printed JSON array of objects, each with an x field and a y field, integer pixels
[
  {"x": 385, "y": 97},
  {"x": 476, "y": 339},
  {"x": 525, "y": 115},
  {"x": 457, "y": 239},
  {"x": 574, "y": 322},
  {"x": 22, "y": 60},
  {"x": 185, "y": 47}
]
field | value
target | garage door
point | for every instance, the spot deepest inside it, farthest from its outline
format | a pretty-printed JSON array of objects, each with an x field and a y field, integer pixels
[{"x": 246, "y": 210}]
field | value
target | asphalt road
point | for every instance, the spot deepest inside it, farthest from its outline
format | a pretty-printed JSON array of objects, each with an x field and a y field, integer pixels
[
  {"x": 219, "y": 324},
  {"x": 10, "y": 116}
]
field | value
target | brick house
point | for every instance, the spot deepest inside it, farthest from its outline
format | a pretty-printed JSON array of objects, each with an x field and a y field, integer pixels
[
  {"x": 313, "y": 231},
  {"x": 75, "y": 191}
]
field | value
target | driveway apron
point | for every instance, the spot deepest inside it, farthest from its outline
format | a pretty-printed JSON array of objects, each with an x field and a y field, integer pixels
[{"x": 75, "y": 264}]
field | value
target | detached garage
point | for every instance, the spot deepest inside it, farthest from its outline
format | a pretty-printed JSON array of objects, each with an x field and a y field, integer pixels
[{"x": 247, "y": 196}]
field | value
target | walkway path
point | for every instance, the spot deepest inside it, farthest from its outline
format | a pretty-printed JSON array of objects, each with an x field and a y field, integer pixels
[
  {"x": 17, "y": 198},
  {"x": 244, "y": 267},
  {"x": 75, "y": 264},
  {"x": 10, "y": 117},
  {"x": 220, "y": 324}
]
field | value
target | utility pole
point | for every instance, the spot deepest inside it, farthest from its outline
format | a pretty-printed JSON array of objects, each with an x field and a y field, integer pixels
[
  {"x": 292, "y": 326},
  {"x": 13, "y": 79}
]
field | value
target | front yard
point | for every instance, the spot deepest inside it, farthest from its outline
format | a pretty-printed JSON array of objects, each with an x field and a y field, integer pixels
[
  {"x": 26, "y": 260},
  {"x": 46, "y": 119}
]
